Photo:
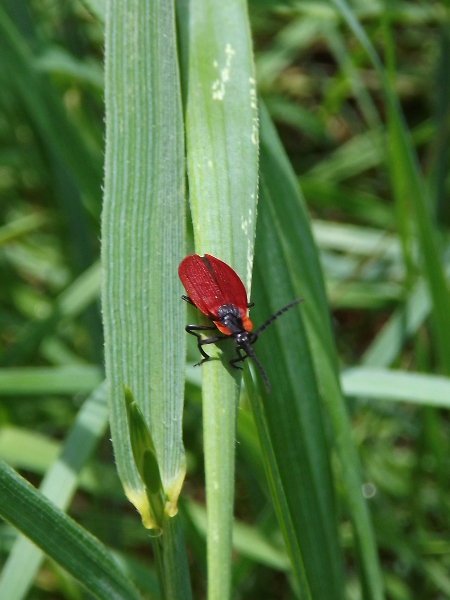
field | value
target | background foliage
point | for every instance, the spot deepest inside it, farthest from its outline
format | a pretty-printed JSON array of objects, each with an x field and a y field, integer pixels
[{"x": 377, "y": 188}]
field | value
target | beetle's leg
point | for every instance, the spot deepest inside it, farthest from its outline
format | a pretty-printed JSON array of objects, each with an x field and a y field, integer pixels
[
  {"x": 187, "y": 299},
  {"x": 240, "y": 358},
  {"x": 193, "y": 329}
]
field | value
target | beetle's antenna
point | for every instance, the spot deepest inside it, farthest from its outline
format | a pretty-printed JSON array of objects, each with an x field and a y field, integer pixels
[
  {"x": 252, "y": 355},
  {"x": 276, "y": 315}
]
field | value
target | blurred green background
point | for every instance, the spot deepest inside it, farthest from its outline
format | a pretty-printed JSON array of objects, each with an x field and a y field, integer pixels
[{"x": 327, "y": 101}]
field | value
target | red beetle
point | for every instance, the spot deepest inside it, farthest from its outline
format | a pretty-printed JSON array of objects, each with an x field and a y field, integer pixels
[{"x": 217, "y": 291}]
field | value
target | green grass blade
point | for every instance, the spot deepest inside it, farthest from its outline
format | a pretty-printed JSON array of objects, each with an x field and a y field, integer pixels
[
  {"x": 60, "y": 61},
  {"x": 285, "y": 111},
  {"x": 68, "y": 544},
  {"x": 279, "y": 496},
  {"x": 143, "y": 231},
  {"x": 293, "y": 411},
  {"x": 58, "y": 485},
  {"x": 291, "y": 221},
  {"x": 359, "y": 154},
  {"x": 24, "y": 449},
  {"x": 338, "y": 46},
  {"x": 363, "y": 205},
  {"x": 97, "y": 8},
  {"x": 222, "y": 131},
  {"x": 402, "y": 325},
  {"x": 352, "y": 239},
  {"x": 377, "y": 383},
  {"x": 34, "y": 452},
  {"x": 222, "y": 150},
  {"x": 247, "y": 540},
  {"x": 289, "y": 42},
  {"x": 49, "y": 380},
  {"x": 400, "y": 184},
  {"x": 440, "y": 170},
  {"x": 20, "y": 227}
]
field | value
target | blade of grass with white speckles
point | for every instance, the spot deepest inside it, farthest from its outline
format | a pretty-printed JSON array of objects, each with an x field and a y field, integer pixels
[{"x": 222, "y": 151}]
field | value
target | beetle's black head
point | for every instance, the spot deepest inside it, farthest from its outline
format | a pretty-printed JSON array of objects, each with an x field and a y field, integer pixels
[{"x": 243, "y": 338}]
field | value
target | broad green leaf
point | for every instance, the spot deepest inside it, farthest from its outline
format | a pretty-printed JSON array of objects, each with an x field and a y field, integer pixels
[
  {"x": 143, "y": 229},
  {"x": 143, "y": 238},
  {"x": 292, "y": 410}
]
